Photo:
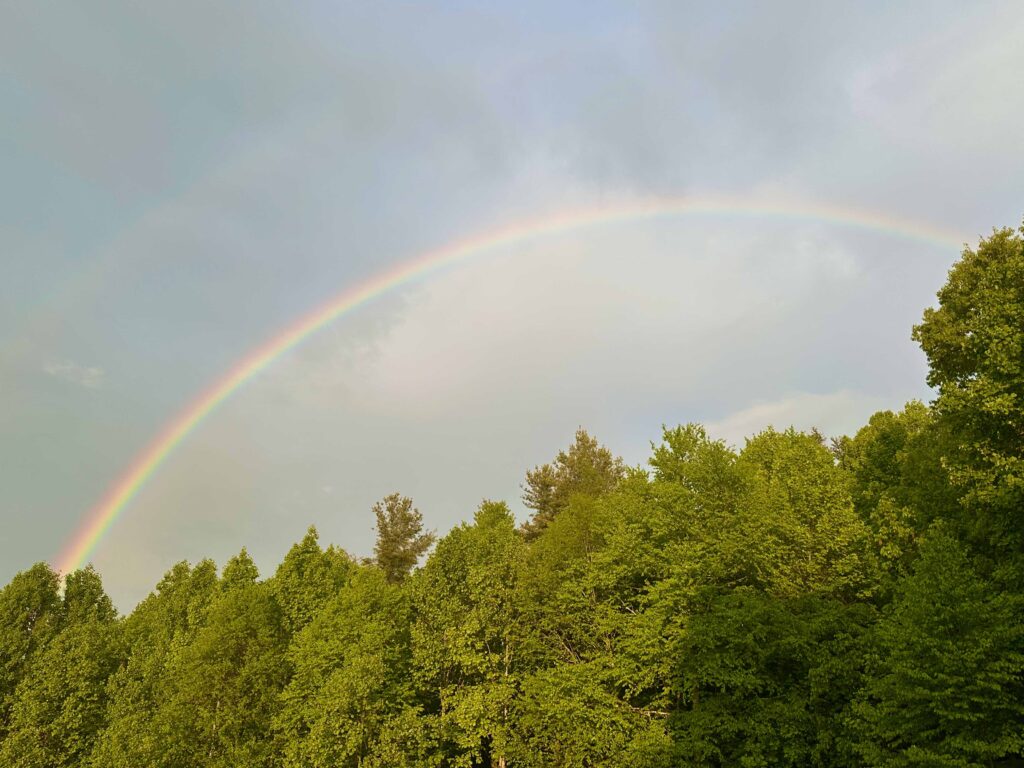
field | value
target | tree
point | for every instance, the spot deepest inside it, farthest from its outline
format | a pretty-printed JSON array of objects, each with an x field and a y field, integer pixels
[
  {"x": 945, "y": 681},
  {"x": 85, "y": 598},
  {"x": 240, "y": 572},
  {"x": 401, "y": 540},
  {"x": 158, "y": 630},
  {"x": 764, "y": 680},
  {"x": 587, "y": 468},
  {"x": 222, "y": 688},
  {"x": 465, "y": 636},
  {"x": 308, "y": 579},
  {"x": 30, "y": 613},
  {"x": 798, "y": 532},
  {"x": 974, "y": 342},
  {"x": 898, "y": 482},
  {"x": 570, "y": 715},
  {"x": 61, "y": 705},
  {"x": 351, "y": 689}
]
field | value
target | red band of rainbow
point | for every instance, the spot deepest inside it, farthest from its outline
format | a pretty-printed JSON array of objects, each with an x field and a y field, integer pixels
[{"x": 99, "y": 520}]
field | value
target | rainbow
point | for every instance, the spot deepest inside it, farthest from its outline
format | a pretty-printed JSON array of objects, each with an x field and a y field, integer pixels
[{"x": 100, "y": 519}]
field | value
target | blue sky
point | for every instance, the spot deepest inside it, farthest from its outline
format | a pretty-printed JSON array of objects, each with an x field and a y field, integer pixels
[{"x": 180, "y": 181}]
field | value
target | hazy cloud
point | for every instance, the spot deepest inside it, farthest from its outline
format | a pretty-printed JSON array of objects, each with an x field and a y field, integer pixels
[
  {"x": 180, "y": 182},
  {"x": 833, "y": 414},
  {"x": 90, "y": 377}
]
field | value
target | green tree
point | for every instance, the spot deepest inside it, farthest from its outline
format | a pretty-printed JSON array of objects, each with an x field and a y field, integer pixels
[
  {"x": 556, "y": 593},
  {"x": 308, "y": 579},
  {"x": 30, "y": 613},
  {"x": 796, "y": 530},
  {"x": 222, "y": 687},
  {"x": 351, "y": 693},
  {"x": 159, "y": 628},
  {"x": 974, "y": 341},
  {"x": 401, "y": 540},
  {"x": 764, "y": 680},
  {"x": 60, "y": 707},
  {"x": 569, "y": 715},
  {"x": 946, "y": 677},
  {"x": 587, "y": 468},
  {"x": 465, "y": 636},
  {"x": 585, "y": 698},
  {"x": 898, "y": 481},
  {"x": 717, "y": 553},
  {"x": 239, "y": 572}
]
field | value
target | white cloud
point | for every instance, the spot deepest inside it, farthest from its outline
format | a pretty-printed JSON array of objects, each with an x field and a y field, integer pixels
[
  {"x": 596, "y": 310},
  {"x": 833, "y": 414},
  {"x": 259, "y": 184},
  {"x": 87, "y": 376}
]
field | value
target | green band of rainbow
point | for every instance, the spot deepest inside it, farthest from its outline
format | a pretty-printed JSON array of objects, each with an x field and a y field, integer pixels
[{"x": 99, "y": 520}]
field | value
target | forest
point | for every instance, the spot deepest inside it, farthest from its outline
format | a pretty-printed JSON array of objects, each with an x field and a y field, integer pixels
[{"x": 794, "y": 602}]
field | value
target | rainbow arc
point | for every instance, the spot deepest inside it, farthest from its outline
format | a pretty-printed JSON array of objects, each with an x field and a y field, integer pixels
[{"x": 120, "y": 494}]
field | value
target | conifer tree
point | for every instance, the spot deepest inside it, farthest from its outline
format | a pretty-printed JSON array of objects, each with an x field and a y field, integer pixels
[
  {"x": 586, "y": 468},
  {"x": 401, "y": 540}
]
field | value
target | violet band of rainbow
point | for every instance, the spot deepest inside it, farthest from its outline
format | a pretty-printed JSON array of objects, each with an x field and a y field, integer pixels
[{"x": 101, "y": 517}]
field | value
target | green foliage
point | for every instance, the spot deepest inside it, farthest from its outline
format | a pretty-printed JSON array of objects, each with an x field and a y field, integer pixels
[
  {"x": 587, "y": 468},
  {"x": 465, "y": 641},
  {"x": 85, "y": 599},
  {"x": 763, "y": 679},
  {"x": 221, "y": 690},
  {"x": 796, "y": 530},
  {"x": 61, "y": 704},
  {"x": 898, "y": 480},
  {"x": 974, "y": 341},
  {"x": 240, "y": 572},
  {"x": 570, "y": 716},
  {"x": 351, "y": 684},
  {"x": 155, "y": 633},
  {"x": 946, "y": 675},
  {"x": 307, "y": 580},
  {"x": 783, "y": 604},
  {"x": 30, "y": 613},
  {"x": 401, "y": 540}
]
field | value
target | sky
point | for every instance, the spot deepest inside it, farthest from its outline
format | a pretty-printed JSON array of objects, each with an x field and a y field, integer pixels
[{"x": 181, "y": 181}]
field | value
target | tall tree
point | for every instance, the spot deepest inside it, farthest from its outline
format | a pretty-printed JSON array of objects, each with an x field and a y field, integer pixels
[
  {"x": 61, "y": 705},
  {"x": 159, "y": 628},
  {"x": 974, "y": 341},
  {"x": 465, "y": 646},
  {"x": 30, "y": 613},
  {"x": 946, "y": 677},
  {"x": 401, "y": 540},
  {"x": 308, "y": 579},
  {"x": 586, "y": 468},
  {"x": 223, "y": 687},
  {"x": 351, "y": 689},
  {"x": 898, "y": 481},
  {"x": 796, "y": 530}
]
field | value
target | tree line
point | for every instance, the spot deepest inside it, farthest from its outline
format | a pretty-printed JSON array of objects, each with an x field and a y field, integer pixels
[{"x": 791, "y": 603}]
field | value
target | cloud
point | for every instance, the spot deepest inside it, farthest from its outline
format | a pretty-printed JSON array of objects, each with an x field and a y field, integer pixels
[
  {"x": 833, "y": 414},
  {"x": 199, "y": 177},
  {"x": 90, "y": 377}
]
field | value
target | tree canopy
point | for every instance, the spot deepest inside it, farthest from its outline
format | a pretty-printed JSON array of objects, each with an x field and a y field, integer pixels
[{"x": 786, "y": 602}]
